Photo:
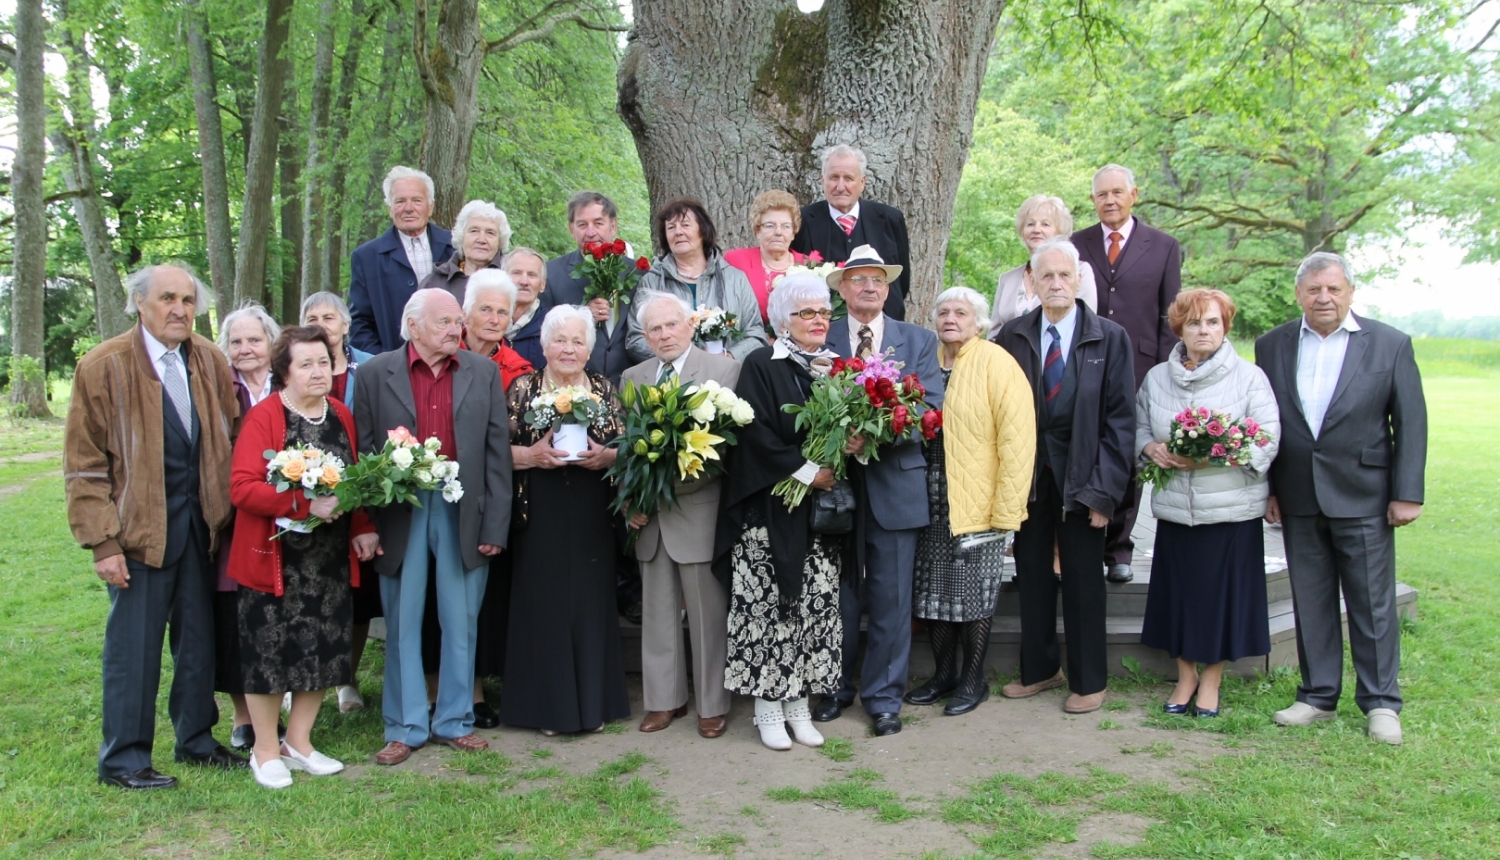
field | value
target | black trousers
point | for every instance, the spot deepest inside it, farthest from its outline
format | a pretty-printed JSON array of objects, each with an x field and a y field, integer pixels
[
  {"x": 1119, "y": 546},
  {"x": 178, "y": 597},
  {"x": 1082, "y": 586}
]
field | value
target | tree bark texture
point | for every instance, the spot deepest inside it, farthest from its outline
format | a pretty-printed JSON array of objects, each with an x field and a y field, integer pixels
[
  {"x": 726, "y": 100},
  {"x": 313, "y": 197},
  {"x": 261, "y": 167},
  {"x": 335, "y": 198},
  {"x": 449, "y": 71},
  {"x": 29, "y": 284},
  {"x": 211, "y": 157},
  {"x": 291, "y": 252}
]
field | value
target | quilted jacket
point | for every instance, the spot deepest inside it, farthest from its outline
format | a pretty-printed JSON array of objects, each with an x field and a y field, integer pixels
[{"x": 989, "y": 440}]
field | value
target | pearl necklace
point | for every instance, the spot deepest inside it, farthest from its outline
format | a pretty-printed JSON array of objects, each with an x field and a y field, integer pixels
[{"x": 305, "y": 417}]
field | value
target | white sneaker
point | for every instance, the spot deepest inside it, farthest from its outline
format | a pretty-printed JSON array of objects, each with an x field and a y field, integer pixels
[
  {"x": 800, "y": 719},
  {"x": 1302, "y": 714},
  {"x": 349, "y": 699},
  {"x": 272, "y": 774},
  {"x": 1384, "y": 725},
  {"x": 771, "y": 720},
  {"x": 314, "y": 763}
]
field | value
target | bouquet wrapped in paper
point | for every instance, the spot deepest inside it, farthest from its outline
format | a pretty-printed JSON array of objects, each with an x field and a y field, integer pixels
[
  {"x": 712, "y": 327},
  {"x": 310, "y": 471},
  {"x": 396, "y": 473},
  {"x": 610, "y": 273},
  {"x": 1207, "y": 436},
  {"x": 568, "y": 412}
]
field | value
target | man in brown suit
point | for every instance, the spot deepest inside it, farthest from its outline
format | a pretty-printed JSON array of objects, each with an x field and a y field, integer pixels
[
  {"x": 676, "y": 546},
  {"x": 1139, "y": 272}
]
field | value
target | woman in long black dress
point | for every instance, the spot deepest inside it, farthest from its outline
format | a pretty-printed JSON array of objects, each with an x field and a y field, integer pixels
[{"x": 563, "y": 671}]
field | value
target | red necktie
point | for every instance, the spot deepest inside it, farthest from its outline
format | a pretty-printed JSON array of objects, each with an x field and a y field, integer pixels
[
  {"x": 1114, "y": 246},
  {"x": 847, "y": 223}
]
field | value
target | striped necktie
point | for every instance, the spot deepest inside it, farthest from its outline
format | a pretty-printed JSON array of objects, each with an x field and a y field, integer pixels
[
  {"x": 846, "y": 223},
  {"x": 177, "y": 390},
  {"x": 1052, "y": 368},
  {"x": 665, "y": 374}
]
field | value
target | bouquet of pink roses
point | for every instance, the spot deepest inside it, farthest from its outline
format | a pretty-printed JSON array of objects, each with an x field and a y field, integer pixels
[
  {"x": 1208, "y": 436},
  {"x": 397, "y": 472}
]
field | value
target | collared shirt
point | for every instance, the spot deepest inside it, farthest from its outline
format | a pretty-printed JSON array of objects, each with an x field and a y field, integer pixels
[
  {"x": 1125, "y": 230},
  {"x": 834, "y": 213},
  {"x": 677, "y": 364},
  {"x": 1320, "y": 360},
  {"x": 155, "y": 349},
  {"x": 1065, "y": 328},
  {"x": 877, "y": 334},
  {"x": 432, "y": 395},
  {"x": 418, "y": 253},
  {"x": 263, "y": 393}
]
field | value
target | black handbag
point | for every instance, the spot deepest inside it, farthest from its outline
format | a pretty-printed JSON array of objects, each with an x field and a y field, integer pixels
[{"x": 833, "y": 510}]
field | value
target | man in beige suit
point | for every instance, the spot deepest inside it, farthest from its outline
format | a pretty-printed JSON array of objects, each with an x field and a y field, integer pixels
[{"x": 675, "y": 546}]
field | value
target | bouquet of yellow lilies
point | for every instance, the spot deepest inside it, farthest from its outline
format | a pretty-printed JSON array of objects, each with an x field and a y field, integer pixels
[{"x": 673, "y": 434}]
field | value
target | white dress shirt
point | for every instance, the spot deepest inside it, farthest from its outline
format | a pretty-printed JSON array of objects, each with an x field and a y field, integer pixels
[
  {"x": 677, "y": 364},
  {"x": 1125, "y": 230},
  {"x": 155, "y": 349},
  {"x": 418, "y": 253},
  {"x": 877, "y": 334},
  {"x": 1065, "y": 329},
  {"x": 836, "y": 214},
  {"x": 1320, "y": 360}
]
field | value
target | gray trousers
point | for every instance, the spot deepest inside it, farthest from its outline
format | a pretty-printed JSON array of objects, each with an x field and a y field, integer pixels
[
  {"x": 178, "y": 597},
  {"x": 665, "y": 584},
  {"x": 890, "y": 557},
  {"x": 1358, "y": 557}
]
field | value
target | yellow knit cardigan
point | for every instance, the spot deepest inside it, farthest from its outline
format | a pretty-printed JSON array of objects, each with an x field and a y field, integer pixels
[{"x": 989, "y": 440}]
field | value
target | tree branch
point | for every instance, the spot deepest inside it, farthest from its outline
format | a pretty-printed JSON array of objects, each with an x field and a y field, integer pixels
[
  {"x": 535, "y": 28},
  {"x": 1261, "y": 220},
  {"x": 51, "y": 198},
  {"x": 420, "y": 50}
]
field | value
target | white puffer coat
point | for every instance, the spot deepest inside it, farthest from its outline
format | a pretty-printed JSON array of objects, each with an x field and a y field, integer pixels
[{"x": 1225, "y": 382}]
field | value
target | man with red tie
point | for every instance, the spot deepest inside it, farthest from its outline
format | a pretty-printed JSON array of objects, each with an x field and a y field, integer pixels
[{"x": 1138, "y": 269}]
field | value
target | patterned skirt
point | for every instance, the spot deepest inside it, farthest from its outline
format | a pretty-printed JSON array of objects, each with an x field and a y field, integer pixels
[{"x": 948, "y": 586}]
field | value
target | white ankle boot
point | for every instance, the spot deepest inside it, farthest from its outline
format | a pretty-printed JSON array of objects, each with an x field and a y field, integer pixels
[
  {"x": 800, "y": 719},
  {"x": 771, "y": 720}
]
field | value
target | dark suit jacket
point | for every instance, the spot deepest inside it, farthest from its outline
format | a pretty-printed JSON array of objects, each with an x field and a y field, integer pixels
[
  {"x": 1372, "y": 447},
  {"x": 896, "y": 484},
  {"x": 609, "y": 356},
  {"x": 481, "y": 430},
  {"x": 381, "y": 281},
  {"x": 880, "y": 226},
  {"x": 1137, "y": 291}
]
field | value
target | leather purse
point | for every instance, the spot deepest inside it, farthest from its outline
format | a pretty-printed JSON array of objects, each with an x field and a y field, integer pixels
[{"x": 833, "y": 510}]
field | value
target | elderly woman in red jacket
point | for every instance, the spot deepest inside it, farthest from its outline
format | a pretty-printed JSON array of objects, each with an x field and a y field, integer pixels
[{"x": 296, "y": 602}]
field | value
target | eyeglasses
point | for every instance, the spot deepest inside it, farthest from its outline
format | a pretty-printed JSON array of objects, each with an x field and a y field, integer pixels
[
  {"x": 769, "y": 226},
  {"x": 809, "y": 313},
  {"x": 861, "y": 281}
]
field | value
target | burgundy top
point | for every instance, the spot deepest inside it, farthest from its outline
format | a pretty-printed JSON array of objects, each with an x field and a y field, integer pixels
[{"x": 432, "y": 395}]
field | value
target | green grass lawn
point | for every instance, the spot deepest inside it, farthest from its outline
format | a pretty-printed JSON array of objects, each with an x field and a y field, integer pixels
[{"x": 1322, "y": 792}]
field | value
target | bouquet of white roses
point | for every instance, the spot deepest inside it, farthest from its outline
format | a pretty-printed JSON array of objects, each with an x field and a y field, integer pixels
[
  {"x": 313, "y": 471},
  {"x": 398, "y": 472},
  {"x": 713, "y": 326}
]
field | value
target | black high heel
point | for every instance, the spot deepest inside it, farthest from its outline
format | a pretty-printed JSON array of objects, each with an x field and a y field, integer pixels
[{"x": 1182, "y": 709}]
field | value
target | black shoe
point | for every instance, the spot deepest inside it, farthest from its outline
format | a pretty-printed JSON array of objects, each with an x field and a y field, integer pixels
[
  {"x": 886, "y": 724},
  {"x": 829, "y": 709},
  {"x": 485, "y": 716},
  {"x": 632, "y": 613},
  {"x": 221, "y": 757},
  {"x": 243, "y": 737},
  {"x": 963, "y": 702},
  {"x": 1182, "y": 709},
  {"x": 931, "y": 693},
  {"x": 144, "y": 779},
  {"x": 1120, "y": 573}
]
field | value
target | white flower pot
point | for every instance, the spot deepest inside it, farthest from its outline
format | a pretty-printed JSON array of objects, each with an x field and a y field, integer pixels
[
  {"x": 573, "y": 438},
  {"x": 714, "y": 346}
]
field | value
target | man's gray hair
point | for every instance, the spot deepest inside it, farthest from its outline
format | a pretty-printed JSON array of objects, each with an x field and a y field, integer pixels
[
  {"x": 400, "y": 172},
  {"x": 1056, "y": 243},
  {"x": 843, "y": 150},
  {"x": 138, "y": 284},
  {"x": 252, "y": 311},
  {"x": 489, "y": 280},
  {"x": 791, "y": 291},
  {"x": 333, "y": 300},
  {"x": 1317, "y": 261},
  {"x": 980, "y": 304},
  {"x": 1043, "y": 201},
  {"x": 589, "y": 198},
  {"x": 525, "y": 251},
  {"x": 1129, "y": 174},
  {"x": 646, "y": 298},
  {"x": 481, "y": 209},
  {"x": 416, "y": 307},
  {"x": 562, "y": 314}
]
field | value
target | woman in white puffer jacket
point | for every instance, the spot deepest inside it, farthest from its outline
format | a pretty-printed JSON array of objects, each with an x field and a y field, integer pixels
[{"x": 1207, "y": 599}]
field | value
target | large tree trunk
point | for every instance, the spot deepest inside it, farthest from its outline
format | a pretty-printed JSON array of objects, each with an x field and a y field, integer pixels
[
  {"x": 28, "y": 367},
  {"x": 292, "y": 229},
  {"x": 336, "y": 198},
  {"x": 211, "y": 156},
  {"x": 380, "y": 138},
  {"x": 726, "y": 100},
  {"x": 260, "y": 169},
  {"x": 313, "y": 206},
  {"x": 450, "y": 76}
]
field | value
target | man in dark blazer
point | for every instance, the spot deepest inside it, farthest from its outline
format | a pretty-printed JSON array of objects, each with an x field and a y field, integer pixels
[
  {"x": 892, "y": 500},
  {"x": 1138, "y": 270},
  {"x": 835, "y": 226},
  {"x": 592, "y": 217},
  {"x": 385, "y": 271},
  {"x": 435, "y": 389},
  {"x": 1349, "y": 473}
]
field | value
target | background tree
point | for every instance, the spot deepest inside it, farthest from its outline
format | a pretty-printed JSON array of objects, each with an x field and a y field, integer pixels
[
  {"x": 27, "y": 376},
  {"x": 261, "y": 164}
]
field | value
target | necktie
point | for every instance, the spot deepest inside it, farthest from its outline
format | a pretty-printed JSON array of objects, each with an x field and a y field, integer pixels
[
  {"x": 866, "y": 342},
  {"x": 1052, "y": 368},
  {"x": 846, "y": 222},
  {"x": 1114, "y": 246},
  {"x": 666, "y": 373},
  {"x": 177, "y": 390}
]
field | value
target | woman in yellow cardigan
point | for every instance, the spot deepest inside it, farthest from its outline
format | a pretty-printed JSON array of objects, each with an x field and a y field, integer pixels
[{"x": 978, "y": 481}]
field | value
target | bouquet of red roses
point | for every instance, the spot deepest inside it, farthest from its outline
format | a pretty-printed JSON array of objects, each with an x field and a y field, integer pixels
[
  {"x": 1208, "y": 436},
  {"x": 611, "y": 275}
]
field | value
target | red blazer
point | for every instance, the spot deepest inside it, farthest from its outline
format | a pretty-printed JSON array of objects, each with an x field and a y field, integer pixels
[
  {"x": 254, "y": 558},
  {"x": 748, "y": 260}
]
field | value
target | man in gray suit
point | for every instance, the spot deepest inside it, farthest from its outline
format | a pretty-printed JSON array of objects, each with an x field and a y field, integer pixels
[
  {"x": 892, "y": 499},
  {"x": 436, "y": 390},
  {"x": 1349, "y": 473},
  {"x": 676, "y": 546}
]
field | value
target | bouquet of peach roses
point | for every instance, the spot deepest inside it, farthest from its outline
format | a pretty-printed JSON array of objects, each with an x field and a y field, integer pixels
[{"x": 311, "y": 471}]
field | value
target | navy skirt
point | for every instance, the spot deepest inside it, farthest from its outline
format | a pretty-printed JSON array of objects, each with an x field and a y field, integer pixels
[{"x": 1207, "y": 600}]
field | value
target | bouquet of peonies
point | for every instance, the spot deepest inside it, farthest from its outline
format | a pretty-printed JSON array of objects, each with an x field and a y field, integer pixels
[
  {"x": 712, "y": 327},
  {"x": 673, "y": 434},
  {"x": 313, "y": 471},
  {"x": 1208, "y": 436},
  {"x": 859, "y": 397},
  {"x": 814, "y": 265},
  {"x": 397, "y": 472},
  {"x": 610, "y": 273},
  {"x": 568, "y": 412}
]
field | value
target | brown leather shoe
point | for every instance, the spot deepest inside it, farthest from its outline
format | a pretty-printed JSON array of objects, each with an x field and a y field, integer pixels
[
  {"x": 1077, "y": 704},
  {"x": 468, "y": 743},
  {"x": 712, "y": 727},
  {"x": 1018, "y": 690},
  {"x": 393, "y": 753},
  {"x": 655, "y": 721}
]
